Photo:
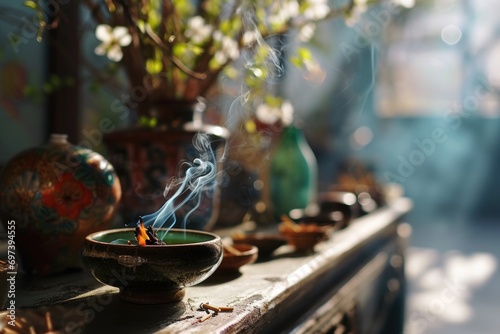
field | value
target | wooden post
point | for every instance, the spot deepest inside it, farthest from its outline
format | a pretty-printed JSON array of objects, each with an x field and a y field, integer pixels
[{"x": 63, "y": 104}]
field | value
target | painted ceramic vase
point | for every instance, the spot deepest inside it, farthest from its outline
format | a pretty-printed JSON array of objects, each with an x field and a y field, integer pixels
[
  {"x": 56, "y": 194},
  {"x": 147, "y": 159}
]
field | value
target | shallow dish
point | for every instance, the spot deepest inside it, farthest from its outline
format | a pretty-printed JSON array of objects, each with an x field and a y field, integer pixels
[
  {"x": 304, "y": 237},
  {"x": 266, "y": 243},
  {"x": 152, "y": 274},
  {"x": 232, "y": 262}
]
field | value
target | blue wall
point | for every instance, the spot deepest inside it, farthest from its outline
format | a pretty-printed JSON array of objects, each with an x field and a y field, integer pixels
[{"x": 445, "y": 151}]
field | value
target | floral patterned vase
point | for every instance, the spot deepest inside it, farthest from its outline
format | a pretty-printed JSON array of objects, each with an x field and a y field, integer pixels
[{"x": 56, "y": 194}]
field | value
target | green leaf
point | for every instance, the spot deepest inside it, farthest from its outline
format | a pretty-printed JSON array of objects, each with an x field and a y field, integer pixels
[
  {"x": 56, "y": 81},
  {"x": 184, "y": 8},
  {"x": 48, "y": 88},
  {"x": 94, "y": 86},
  {"x": 148, "y": 121},
  {"x": 250, "y": 126},
  {"x": 69, "y": 81},
  {"x": 225, "y": 27},
  {"x": 304, "y": 54},
  {"x": 31, "y": 92},
  {"x": 154, "y": 19},
  {"x": 31, "y": 4},
  {"x": 296, "y": 61},
  {"x": 197, "y": 50},
  {"x": 214, "y": 64},
  {"x": 231, "y": 72},
  {"x": 273, "y": 101},
  {"x": 213, "y": 7},
  {"x": 154, "y": 66},
  {"x": 179, "y": 49},
  {"x": 141, "y": 25},
  {"x": 153, "y": 122}
]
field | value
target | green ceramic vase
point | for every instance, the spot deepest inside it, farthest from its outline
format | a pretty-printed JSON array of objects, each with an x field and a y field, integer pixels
[{"x": 293, "y": 173}]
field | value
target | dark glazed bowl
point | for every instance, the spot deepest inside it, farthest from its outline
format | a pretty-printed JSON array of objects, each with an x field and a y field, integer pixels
[{"x": 152, "y": 274}]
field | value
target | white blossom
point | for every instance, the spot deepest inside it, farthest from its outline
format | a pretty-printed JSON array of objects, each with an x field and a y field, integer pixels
[
  {"x": 306, "y": 32},
  {"x": 292, "y": 8},
  {"x": 112, "y": 41},
  {"x": 316, "y": 10},
  {"x": 197, "y": 30},
  {"x": 283, "y": 13},
  {"x": 250, "y": 37},
  {"x": 229, "y": 48},
  {"x": 270, "y": 115},
  {"x": 355, "y": 15},
  {"x": 405, "y": 3},
  {"x": 287, "y": 112}
]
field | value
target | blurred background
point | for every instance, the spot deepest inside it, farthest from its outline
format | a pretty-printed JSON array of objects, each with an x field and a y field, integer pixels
[
  {"x": 413, "y": 95},
  {"x": 426, "y": 81},
  {"x": 419, "y": 104}
]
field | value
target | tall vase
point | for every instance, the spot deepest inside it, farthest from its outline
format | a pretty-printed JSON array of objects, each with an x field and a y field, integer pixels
[
  {"x": 51, "y": 197},
  {"x": 293, "y": 173},
  {"x": 147, "y": 158}
]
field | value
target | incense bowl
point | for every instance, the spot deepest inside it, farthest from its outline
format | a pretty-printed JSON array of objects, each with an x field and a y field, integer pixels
[{"x": 152, "y": 274}]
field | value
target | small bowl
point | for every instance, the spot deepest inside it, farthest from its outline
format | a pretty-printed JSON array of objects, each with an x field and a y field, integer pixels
[
  {"x": 305, "y": 239},
  {"x": 266, "y": 243},
  {"x": 334, "y": 208},
  {"x": 233, "y": 262},
  {"x": 336, "y": 219},
  {"x": 152, "y": 274}
]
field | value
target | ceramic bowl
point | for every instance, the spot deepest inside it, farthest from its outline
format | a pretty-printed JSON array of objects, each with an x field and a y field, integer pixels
[
  {"x": 306, "y": 237},
  {"x": 233, "y": 262},
  {"x": 336, "y": 219},
  {"x": 152, "y": 274},
  {"x": 334, "y": 208},
  {"x": 266, "y": 243}
]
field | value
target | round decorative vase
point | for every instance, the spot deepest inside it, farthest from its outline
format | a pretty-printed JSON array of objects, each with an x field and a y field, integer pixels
[
  {"x": 147, "y": 159},
  {"x": 55, "y": 195}
]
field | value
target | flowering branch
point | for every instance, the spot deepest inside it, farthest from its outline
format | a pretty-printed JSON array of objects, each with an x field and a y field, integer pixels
[{"x": 183, "y": 46}]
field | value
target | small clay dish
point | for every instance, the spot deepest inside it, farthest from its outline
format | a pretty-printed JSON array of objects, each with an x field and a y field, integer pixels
[
  {"x": 266, "y": 243},
  {"x": 152, "y": 274},
  {"x": 237, "y": 256},
  {"x": 304, "y": 237}
]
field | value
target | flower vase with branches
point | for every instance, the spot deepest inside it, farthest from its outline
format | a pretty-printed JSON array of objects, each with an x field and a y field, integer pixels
[{"x": 178, "y": 50}]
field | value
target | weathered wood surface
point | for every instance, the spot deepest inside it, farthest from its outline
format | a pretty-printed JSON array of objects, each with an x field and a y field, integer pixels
[{"x": 259, "y": 294}]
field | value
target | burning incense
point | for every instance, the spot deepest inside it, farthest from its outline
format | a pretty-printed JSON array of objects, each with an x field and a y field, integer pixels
[{"x": 146, "y": 236}]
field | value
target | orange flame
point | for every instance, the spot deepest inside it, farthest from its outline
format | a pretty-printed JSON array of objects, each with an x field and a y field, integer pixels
[
  {"x": 141, "y": 240},
  {"x": 142, "y": 236}
]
